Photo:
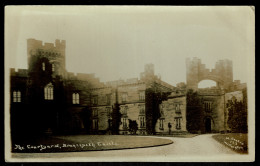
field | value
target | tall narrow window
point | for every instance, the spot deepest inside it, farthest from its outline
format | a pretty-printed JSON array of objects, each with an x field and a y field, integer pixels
[
  {"x": 108, "y": 98},
  {"x": 124, "y": 97},
  {"x": 43, "y": 66},
  {"x": 94, "y": 112},
  {"x": 208, "y": 106},
  {"x": 142, "y": 121},
  {"x": 109, "y": 112},
  {"x": 124, "y": 123},
  {"x": 75, "y": 98},
  {"x": 177, "y": 108},
  {"x": 142, "y": 110},
  {"x": 53, "y": 67},
  {"x": 16, "y": 96},
  {"x": 161, "y": 124},
  {"x": 124, "y": 110},
  {"x": 95, "y": 124},
  {"x": 178, "y": 123},
  {"x": 95, "y": 100},
  {"x": 48, "y": 92},
  {"x": 142, "y": 95}
]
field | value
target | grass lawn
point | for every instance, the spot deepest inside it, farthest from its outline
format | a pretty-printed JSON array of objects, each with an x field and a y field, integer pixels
[
  {"x": 85, "y": 143},
  {"x": 238, "y": 142}
]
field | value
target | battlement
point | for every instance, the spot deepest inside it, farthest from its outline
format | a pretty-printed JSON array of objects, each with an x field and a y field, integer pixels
[
  {"x": 122, "y": 82},
  {"x": 19, "y": 73},
  {"x": 38, "y": 44},
  {"x": 196, "y": 72},
  {"x": 85, "y": 77}
]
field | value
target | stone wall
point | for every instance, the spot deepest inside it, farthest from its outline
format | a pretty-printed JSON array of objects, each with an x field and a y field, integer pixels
[
  {"x": 131, "y": 91},
  {"x": 216, "y": 113},
  {"x": 132, "y": 112},
  {"x": 172, "y": 109}
]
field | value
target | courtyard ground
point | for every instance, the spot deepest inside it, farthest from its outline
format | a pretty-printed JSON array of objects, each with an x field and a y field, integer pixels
[{"x": 198, "y": 148}]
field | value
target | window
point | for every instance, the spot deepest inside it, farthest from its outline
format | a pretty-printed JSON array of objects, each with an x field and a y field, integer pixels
[
  {"x": 108, "y": 98},
  {"x": 124, "y": 97},
  {"x": 53, "y": 67},
  {"x": 178, "y": 123},
  {"x": 142, "y": 110},
  {"x": 177, "y": 108},
  {"x": 124, "y": 123},
  {"x": 161, "y": 124},
  {"x": 16, "y": 96},
  {"x": 142, "y": 121},
  {"x": 124, "y": 110},
  {"x": 109, "y": 111},
  {"x": 162, "y": 113},
  {"x": 43, "y": 66},
  {"x": 95, "y": 124},
  {"x": 48, "y": 92},
  {"x": 109, "y": 123},
  {"x": 95, "y": 112},
  {"x": 208, "y": 106},
  {"x": 75, "y": 98},
  {"x": 95, "y": 100},
  {"x": 142, "y": 95}
]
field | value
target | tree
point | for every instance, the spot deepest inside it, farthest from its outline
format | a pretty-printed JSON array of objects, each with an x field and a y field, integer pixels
[
  {"x": 116, "y": 119},
  {"x": 153, "y": 100},
  {"x": 194, "y": 111},
  {"x": 133, "y": 127},
  {"x": 237, "y": 115}
]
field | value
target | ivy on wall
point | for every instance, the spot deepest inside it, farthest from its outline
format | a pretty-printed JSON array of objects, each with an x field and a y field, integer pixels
[
  {"x": 194, "y": 112},
  {"x": 153, "y": 99}
]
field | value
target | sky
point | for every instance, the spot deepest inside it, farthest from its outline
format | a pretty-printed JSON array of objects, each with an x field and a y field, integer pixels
[{"x": 115, "y": 42}]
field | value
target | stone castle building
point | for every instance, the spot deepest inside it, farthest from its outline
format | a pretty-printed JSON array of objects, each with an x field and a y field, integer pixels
[
  {"x": 214, "y": 99},
  {"x": 46, "y": 98}
]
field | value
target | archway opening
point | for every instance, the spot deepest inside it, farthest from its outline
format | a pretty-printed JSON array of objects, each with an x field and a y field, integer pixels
[{"x": 207, "y": 84}]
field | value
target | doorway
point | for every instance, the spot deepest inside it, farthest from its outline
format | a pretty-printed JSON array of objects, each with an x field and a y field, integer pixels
[{"x": 208, "y": 125}]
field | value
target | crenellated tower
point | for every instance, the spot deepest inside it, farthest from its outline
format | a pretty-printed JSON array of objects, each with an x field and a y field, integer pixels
[{"x": 53, "y": 55}]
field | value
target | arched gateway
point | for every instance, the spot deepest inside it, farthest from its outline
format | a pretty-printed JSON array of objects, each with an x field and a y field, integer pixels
[
  {"x": 212, "y": 99},
  {"x": 222, "y": 74}
]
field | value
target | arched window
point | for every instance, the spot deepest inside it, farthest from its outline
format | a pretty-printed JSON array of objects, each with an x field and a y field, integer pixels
[
  {"x": 43, "y": 66},
  {"x": 75, "y": 98},
  {"x": 16, "y": 96},
  {"x": 48, "y": 92}
]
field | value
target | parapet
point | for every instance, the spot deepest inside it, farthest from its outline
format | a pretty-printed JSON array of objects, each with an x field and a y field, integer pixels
[
  {"x": 60, "y": 43},
  {"x": 38, "y": 44},
  {"x": 85, "y": 77},
  {"x": 210, "y": 91},
  {"x": 19, "y": 73}
]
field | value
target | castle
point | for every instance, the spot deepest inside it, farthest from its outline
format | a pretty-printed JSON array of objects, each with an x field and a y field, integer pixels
[{"x": 45, "y": 98}]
